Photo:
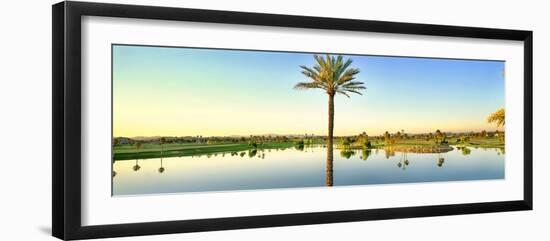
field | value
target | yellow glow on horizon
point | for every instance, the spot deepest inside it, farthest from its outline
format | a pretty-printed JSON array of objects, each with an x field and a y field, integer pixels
[{"x": 131, "y": 122}]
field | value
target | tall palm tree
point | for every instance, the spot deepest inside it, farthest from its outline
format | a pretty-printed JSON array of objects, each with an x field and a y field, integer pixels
[
  {"x": 497, "y": 116},
  {"x": 334, "y": 76}
]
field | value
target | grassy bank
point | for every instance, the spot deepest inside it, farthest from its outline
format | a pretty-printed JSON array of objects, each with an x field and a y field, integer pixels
[{"x": 128, "y": 152}]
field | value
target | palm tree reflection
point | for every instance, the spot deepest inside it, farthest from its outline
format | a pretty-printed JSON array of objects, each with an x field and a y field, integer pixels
[
  {"x": 403, "y": 161},
  {"x": 137, "y": 145},
  {"x": 252, "y": 153},
  {"x": 389, "y": 152},
  {"x": 440, "y": 160},
  {"x": 136, "y": 167},
  {"x": 501, "y": 151},
  {"x": 161, "y": 168}
]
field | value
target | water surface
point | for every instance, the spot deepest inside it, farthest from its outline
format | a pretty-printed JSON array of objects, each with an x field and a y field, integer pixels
[{"x": 293, "y": 167}]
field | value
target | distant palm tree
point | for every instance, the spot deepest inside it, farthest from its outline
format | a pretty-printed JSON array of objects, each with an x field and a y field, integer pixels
[
  {"x": 497, "y": 116},
  {"x": 387, "y": 137},
  {"x": 162, "y": 140},
  {"x": 440, "y": 137},
  {"x": 137, "y": 145},
  {"x": 332, "y": 75}
]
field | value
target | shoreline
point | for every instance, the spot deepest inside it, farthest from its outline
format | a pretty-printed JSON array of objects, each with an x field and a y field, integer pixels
[{"x": 121, "y": 154}]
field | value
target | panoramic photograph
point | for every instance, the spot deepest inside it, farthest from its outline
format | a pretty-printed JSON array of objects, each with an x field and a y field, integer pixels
[{"x": 201, "y": 120}]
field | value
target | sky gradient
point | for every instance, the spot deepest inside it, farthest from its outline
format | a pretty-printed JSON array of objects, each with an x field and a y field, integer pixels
[{"x": 166, "y": 91}]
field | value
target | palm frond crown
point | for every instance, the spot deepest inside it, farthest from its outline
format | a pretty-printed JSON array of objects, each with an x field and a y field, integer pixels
[
  {"x": 498, "y": 117},
  {"x": 333, "y": 75}
]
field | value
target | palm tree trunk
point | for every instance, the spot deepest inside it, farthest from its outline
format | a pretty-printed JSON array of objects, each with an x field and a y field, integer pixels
[{"x": 329, "y": 177}]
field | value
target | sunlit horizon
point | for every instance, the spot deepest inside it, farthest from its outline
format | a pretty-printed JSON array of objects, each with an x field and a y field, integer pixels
[{"x": 167, "y": 91}]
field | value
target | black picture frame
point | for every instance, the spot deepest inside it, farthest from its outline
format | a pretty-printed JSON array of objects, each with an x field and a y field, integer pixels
[{"x": 66, "y": 127}]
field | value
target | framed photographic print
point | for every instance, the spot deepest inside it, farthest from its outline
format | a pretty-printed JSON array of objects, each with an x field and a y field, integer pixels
[{"x": 170, "y": 120}]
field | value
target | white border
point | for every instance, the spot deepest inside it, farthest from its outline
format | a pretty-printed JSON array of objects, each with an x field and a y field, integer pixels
[{"x": 100, "y": 208}]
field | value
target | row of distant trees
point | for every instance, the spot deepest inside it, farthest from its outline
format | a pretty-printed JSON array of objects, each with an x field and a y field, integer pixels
[
  {"x": 437, "y": 136},
  {"x": 258, "y": 139},
  {"x": 361, "y": 139}
]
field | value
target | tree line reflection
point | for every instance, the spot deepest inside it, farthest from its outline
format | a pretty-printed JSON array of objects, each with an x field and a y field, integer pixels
[{"x": 403, "y": 162}]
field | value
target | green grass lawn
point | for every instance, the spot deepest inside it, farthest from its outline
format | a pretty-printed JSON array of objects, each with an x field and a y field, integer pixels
[
  {"x": 127, "y": 152},
  {"x": 485, "y": 142}
]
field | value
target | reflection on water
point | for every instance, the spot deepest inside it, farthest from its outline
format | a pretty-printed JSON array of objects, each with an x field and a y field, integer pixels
[
  {"x": 347, "y": 153},
  {"x": 161, "y": 168},
  {"x": 365, "y": 154},
  {"x": 403, "y": 161},
  {"x": 136, "y": 167},
  {"x": 304, "y": 166},
  {"x": 466, "y": 151}
]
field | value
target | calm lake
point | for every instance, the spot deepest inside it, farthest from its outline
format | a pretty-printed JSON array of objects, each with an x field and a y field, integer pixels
[{"x": 292, "y": 167}]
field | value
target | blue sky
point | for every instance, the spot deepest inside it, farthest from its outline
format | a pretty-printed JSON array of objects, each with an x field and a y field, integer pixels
[{"x": 209, "y": 92}]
